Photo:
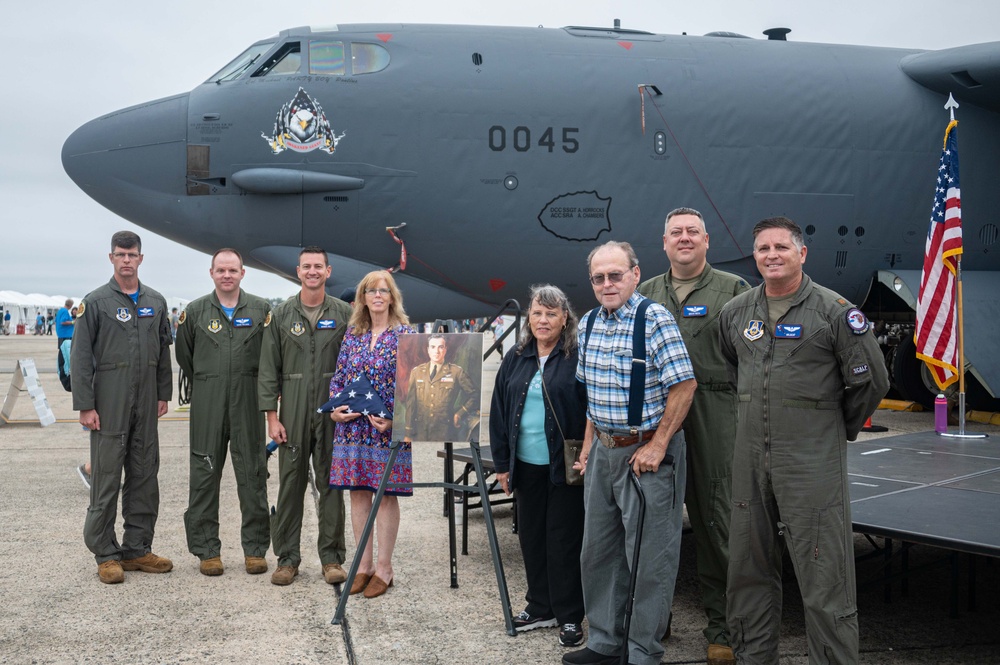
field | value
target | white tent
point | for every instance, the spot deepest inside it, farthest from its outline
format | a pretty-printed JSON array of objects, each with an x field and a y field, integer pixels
[{"x": 24, "y": 308}]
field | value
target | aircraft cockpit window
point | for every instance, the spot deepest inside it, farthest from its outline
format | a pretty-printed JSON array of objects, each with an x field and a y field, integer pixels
[
  {"x": 326, "y": 57},
  {"x": 242, "y": 63},
  {"x": 285, "y": 60},
  {"x": 330, "y": 57},
  {"x": 368, "y": 58}
]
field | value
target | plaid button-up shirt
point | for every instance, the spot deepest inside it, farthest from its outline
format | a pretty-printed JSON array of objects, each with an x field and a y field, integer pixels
[{"x": 606, "y": 364}]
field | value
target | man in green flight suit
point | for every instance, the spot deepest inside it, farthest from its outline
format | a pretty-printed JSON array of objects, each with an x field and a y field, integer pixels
[
  {"x": 218, "y": 345},
  {"x": 695, "y": 292},
  {"x": 122, "y": 381},
  {"x": 808, "y": 373},
  {"x": 297, "y": 361}
]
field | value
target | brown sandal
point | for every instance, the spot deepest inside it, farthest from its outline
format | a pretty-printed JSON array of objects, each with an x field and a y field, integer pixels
[
  {"x": 376, "y": 587},
  {"x": 360, "y": 582}
]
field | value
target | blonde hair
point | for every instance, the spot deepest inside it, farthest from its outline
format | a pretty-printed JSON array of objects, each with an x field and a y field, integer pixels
[{"x": 361, "y": 319}]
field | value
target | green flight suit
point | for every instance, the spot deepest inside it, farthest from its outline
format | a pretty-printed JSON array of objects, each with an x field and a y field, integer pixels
[
  {"x": 221, "y": 358},
  {"x": 805, "y": 388},
  {"x": 120, "y": 364},
  {"x": 297, "y": 362},
  {"x": 709, "y": 429}
]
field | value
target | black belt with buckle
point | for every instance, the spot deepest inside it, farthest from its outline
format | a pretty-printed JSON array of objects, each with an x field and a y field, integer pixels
[{"x": 610, "y": 441}]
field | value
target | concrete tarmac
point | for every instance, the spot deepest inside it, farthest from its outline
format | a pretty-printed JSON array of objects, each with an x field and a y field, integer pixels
[{"x": 56, "y": 611}]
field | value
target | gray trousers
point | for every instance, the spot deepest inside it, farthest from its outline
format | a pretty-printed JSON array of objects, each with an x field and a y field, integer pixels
[
  {"x": 793, "y": 497},
  {"x": 208, "y": 457},
  {"x": 294, "y": 459},
  {"x": 135, "y": 449},
  {"x": 612, "y": 511}
]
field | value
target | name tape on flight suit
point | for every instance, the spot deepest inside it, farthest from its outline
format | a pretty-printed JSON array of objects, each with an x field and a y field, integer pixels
[
  {"x": 788, "y": 331},
  {"x": 694, "y": 311}
]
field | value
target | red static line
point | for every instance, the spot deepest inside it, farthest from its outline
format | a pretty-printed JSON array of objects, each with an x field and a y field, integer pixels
[
  {"x": 642, "y": 107},
  {"x": 697, "y": 178},
  {"x": 402, "y": 266},
  {"x": 402, "y": 249},
  {"x": 458, "y": 286}
]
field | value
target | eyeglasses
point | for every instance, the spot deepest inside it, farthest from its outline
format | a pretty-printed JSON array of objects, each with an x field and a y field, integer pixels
[
  {"x": 126, "y": 255},
  {"x": 381, "y": 292},
  {"x": 613, "y": 277}
]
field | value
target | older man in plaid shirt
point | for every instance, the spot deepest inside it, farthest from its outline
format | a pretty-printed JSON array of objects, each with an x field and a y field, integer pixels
[{"x": 654, "y": 448}]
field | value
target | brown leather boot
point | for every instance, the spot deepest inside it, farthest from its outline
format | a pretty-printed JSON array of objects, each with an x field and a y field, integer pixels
[
  {"x": 148, "y": 563},
  {"x": 211, "y": 567},
  {"x": 284, "y": 575},
  {"x": 720, "y": 655},
  {"x": 255, "y": 564},
  {"x": 110, "y": 572},
  {"x": 334, "y": 573}
]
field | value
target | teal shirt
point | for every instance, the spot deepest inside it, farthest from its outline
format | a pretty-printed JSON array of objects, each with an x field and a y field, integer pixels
[{"x": 532, "y": 446}]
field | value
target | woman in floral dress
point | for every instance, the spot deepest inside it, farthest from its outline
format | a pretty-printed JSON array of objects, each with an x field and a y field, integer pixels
[{"x": 361, "y": 443}]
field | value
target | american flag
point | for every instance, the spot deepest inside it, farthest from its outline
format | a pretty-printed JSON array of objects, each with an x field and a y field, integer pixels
[
  {"x": 936, "y": 336},
  {"x": 360, "y": 397}
]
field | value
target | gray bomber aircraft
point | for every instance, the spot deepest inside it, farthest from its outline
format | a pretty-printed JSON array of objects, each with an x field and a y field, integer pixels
[{"x": 502, "y": 156}]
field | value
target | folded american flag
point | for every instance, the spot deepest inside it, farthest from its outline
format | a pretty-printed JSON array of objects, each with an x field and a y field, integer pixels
[{"x": 360, "y": 397}]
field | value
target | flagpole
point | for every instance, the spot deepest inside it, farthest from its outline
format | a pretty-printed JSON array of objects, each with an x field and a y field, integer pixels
[
  {"x": 959, "y": 313},
  {"x": 951, "y": 105}
]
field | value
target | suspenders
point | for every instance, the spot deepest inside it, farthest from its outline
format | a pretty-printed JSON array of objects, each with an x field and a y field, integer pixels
[{"x": 637, "y": 380}]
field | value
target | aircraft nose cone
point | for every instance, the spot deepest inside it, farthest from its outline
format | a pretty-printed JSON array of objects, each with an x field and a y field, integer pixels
[{"x": 135, "y": 152}]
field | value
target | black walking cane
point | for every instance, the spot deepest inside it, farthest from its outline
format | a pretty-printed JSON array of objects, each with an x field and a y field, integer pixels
[{"x": 630, "y": 599}]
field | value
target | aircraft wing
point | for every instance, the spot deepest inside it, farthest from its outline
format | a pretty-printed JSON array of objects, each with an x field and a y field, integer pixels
[
  {"x": 980, "y": 312},
  {"x": 971, "y": 73}
]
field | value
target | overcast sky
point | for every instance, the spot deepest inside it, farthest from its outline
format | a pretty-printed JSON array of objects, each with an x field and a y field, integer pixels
[{"x": 69, "y": 62}]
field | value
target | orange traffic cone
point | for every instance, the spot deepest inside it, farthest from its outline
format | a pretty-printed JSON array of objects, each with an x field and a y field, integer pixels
[{"x": 868, "y": 427}]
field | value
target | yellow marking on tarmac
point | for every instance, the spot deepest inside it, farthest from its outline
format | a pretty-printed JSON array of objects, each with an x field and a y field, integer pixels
[
  {"x": 899, "y": 405},
  {"x": 985, "y": 417}
]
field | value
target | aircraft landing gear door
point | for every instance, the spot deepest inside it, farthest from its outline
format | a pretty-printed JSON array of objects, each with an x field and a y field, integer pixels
[{"x": 330, "y": 219}]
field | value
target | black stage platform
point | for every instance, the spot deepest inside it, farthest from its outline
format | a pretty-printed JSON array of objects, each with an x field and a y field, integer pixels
[{"x": 928, "y": 489}]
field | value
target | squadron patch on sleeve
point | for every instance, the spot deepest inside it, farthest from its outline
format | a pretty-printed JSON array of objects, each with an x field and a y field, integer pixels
[
  {"x": 182, "y": 318},
  {"x": 267, "y": 319},
  {"x": 79, "y": 310},
  {"x": 856, "y": 321}
]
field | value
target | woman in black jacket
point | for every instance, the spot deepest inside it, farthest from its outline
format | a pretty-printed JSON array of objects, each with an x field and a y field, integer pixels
[{"x": 525, "y": 422}]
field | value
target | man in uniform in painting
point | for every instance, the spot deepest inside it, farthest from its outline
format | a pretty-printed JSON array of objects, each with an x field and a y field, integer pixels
[{"x": 439, "y": 396}]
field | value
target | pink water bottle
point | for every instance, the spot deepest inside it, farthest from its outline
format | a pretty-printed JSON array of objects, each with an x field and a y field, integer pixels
[{"x": 940, "y": 414}]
